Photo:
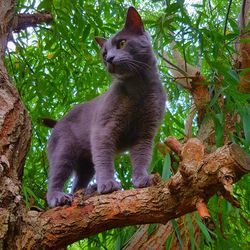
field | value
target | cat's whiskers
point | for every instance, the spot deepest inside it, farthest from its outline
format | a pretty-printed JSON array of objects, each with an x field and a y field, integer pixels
[
  {"x": 135, "y": 61},
  {"x": 134, "y": 66},
  {"x": 136, "y": 69},
  {"x": 139, "y": 63},
  {"x": 133, "y": 69}
]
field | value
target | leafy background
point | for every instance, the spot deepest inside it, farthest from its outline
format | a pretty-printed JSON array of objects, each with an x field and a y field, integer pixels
[{"x": 57, "y": 66}]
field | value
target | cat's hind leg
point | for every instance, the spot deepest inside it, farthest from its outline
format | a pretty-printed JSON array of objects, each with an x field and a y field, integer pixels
[{"x": 83, "y": 174}]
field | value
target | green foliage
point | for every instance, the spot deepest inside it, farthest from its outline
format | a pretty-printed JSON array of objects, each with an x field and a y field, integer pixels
[{"x": 57, "y": 66}]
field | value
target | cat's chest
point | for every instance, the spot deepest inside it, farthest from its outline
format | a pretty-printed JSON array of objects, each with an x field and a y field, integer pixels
[
  {"x": 135, "y": 121},
  {"x": 141, "y": 114},
  {"x": 129, "y": 113}
]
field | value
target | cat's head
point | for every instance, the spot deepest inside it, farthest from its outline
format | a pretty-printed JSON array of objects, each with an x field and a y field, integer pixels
[{"x": 129, "y": 51}]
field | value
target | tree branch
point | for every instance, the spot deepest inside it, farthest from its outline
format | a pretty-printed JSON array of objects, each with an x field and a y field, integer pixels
[
  {"x": 23, "y": 21},
  {"x": 199, "y": 178}
]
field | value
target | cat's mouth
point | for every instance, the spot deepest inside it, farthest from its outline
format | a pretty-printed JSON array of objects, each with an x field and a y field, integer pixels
[
  {"x": 111, "y": 68},
  {"x": 116, "y": 69}
]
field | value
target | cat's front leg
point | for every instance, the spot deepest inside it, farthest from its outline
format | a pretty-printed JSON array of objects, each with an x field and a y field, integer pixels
[
  {"x": 102, "y": 147},
  {"x": 141, "y": 157}
]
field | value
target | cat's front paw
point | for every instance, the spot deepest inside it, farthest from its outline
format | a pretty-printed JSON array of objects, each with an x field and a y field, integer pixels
[
  {"x": 108, "y": 186},
  {"x": 143, "y": 181},
  {"x": 58, "y": 198}
]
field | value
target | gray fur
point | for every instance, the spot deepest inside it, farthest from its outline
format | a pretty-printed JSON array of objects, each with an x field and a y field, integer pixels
[{"x": 126, "y": 117}]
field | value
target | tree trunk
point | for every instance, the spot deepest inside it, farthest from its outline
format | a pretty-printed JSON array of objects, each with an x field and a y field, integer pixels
[{"x": 15, "y": 135}]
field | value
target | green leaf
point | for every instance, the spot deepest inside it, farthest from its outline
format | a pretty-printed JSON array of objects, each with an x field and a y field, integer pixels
[
  {"x": 168, "y": 241},
  {"x": 177, "y": 231},
  {"x": 86, "y": 32},
  {"x": 166, "y": 171},
  {"x": 191, "y": 231},
  {"x": 203, "y": 229},
  {"x": 246, "y": 124},
  {"x": 219, "y": 129},
  {"x": 118, "y": 243},
  {"x": 151, "y": 228}
]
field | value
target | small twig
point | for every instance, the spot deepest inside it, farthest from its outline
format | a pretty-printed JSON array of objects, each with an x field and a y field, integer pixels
[
  {"x": 245, "y": 220},
  {"x": 174, "y": 144},
  {"x": 204, "y": 214},
  {"x": 185, "y": 77},
  {"x": 173, "y": 65},
  {"x": 226, "y": 21},
  {"x": 163, "y": 149},
  {"x": 202, "y": 209}
]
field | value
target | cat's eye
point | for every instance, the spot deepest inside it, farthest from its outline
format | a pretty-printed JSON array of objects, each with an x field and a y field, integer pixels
[{"x": 121, "y": 44}]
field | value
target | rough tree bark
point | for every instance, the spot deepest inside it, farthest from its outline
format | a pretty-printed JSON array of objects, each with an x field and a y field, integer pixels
[
  {"x": 15, "y": 134},
  {"x": 200, "y": 175}
]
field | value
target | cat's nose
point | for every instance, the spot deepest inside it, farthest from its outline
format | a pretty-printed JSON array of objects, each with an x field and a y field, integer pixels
[{"x": 110, "y": 59}]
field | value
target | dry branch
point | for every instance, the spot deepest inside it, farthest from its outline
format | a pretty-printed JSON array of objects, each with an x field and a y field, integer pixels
[
  {"x": 23, "y": 21},
  {"x": 157, "y": 204}
]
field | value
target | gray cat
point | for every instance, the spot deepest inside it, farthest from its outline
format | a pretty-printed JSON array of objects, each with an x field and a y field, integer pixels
[{"x": 126, "y": 117}]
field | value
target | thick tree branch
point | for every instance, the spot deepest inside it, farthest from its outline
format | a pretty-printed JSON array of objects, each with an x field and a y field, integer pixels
[
  {"x": 198, "y": 179},
  {"x": 23, "y": 21}
]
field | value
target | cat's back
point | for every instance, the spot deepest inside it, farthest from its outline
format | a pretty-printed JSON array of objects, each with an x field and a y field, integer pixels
[{"x": 76, "y": 124}]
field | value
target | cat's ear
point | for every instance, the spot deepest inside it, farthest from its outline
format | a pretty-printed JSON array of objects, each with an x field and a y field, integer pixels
[
  {"x": 134, "y": 23},
  {"x": 100, "y": 40}
]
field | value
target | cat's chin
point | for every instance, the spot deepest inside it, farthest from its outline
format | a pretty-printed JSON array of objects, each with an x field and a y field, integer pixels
[
  {"x": 115, "y": 71},
  {"x": 111, "y": 68}
]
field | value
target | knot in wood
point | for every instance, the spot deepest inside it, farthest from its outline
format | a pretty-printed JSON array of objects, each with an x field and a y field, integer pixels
[
  {"x": 4, "y": 164},
  {"x": 227, "y": 177}
]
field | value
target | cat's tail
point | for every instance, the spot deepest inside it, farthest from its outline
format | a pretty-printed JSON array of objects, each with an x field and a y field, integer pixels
[{"x": 48, "y": 122}]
